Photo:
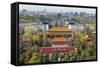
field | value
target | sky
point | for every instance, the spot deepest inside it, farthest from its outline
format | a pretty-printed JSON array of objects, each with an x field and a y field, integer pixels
[{"x": 56, "y": 9}]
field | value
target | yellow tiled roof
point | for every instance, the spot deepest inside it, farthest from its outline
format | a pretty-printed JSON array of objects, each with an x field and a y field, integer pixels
[
  {"x": 63, "y": 29},
  {"x": 58, "y": 39}
]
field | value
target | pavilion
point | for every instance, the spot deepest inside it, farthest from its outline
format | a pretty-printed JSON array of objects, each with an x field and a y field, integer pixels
[{"x": 59, "y": 38}]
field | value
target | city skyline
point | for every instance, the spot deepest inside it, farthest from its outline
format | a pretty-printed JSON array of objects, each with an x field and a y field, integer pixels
[{"x": 56, "y": 9}]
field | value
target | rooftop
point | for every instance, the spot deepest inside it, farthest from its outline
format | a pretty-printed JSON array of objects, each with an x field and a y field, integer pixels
[
  {"x": 59, "y": 39},
  {"x": 48, "y": 50},
  {"x": 62, "y": 29}
]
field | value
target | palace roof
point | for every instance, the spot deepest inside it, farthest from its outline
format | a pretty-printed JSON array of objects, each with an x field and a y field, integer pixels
[
  {"x": 58, "y": 39},
  {"x": 48, "y": 50},
  {"x": 62, "y": 29}
]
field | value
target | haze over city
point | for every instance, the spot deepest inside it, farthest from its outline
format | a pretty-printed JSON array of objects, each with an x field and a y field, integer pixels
[{"x": 56, "y": 9}]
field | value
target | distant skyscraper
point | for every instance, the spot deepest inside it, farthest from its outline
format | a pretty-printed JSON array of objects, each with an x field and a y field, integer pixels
[
  {"x": 45, "y": 10},
  {"x": 24, "y": 12}
]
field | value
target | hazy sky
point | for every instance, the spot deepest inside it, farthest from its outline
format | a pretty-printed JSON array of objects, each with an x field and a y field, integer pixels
[{"x": 55, "y": 8}]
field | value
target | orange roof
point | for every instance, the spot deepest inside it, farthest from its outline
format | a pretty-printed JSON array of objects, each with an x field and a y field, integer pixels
[
  {"x": 59, "y": 29},
  {"x": 58, "y": 39}
]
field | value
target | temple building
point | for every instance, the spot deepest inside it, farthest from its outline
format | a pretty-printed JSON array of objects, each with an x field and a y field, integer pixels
[
  {"x": 59, "y": 35},
  {"x": 60, "y": 40}
]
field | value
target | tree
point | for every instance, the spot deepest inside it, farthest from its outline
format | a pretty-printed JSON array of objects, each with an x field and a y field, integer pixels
[
  {"x": 54, "y": 57},
  {"x": 66, "y": 56},
  {"x": 28, "y": 18},
  {"x": 33, "y": 39},
  {"x": 21, "y": 59},
  {"x": 35, "y": 58},
  {"x": 45, "y": 58}
]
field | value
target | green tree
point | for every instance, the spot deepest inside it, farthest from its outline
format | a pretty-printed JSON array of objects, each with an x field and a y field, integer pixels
[
  {"x": 35, "y": 58},
  {"x": 21, "y": 59},
  {"x": 54, "y": 57}
]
